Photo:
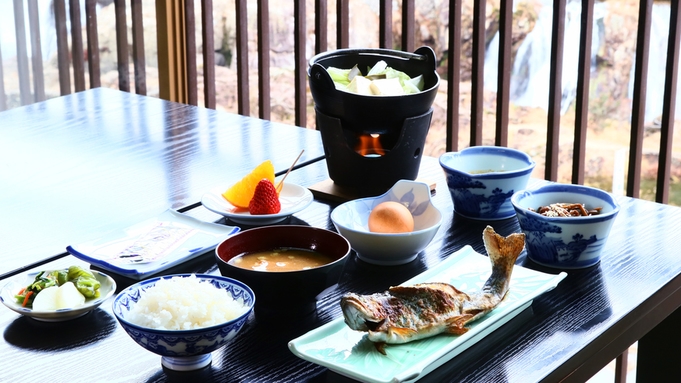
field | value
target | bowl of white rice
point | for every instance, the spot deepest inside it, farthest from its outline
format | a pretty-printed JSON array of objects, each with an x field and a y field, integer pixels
[{"x": 184, "y": 317}]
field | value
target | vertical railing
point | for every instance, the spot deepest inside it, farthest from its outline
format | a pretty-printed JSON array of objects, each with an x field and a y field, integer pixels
[
  {"x": 3, "y": 97},
  {"x": 477, "y": 74},
  {"x": 555, "y": 91},
  {"x": 77, "y": 46},
  {"x": 453, "y": 70},
  {"x": 36, "y": 52},
  {"x": 300, "y": 58},
  {"x": 639, "y": 100},
  {"x": 264, "y": 109},
  {"x": 92, "y": 43},
  {"x": 668, "y": 109},
  {"x": 243, "y": 95},
  {"x": 22, "y": 53},
  {"x": 504, "y": 72}
]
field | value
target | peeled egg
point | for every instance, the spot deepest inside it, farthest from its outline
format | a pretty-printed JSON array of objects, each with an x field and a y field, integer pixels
[{"x": 391, "y": 217}]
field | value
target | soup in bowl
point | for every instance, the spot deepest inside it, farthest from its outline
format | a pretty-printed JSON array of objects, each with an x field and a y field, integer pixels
[{"x": 287, "y": 266}]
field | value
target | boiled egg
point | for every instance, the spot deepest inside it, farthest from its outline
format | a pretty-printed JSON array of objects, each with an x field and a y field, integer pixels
[{"x": 391, "y": 217}]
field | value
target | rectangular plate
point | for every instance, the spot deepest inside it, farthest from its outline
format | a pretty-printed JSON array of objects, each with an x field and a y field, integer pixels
[
  {"x": 348, "y": 352},
  {"x": 153, "y": 245}
]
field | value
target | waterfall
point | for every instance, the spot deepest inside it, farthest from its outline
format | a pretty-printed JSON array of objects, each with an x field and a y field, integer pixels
[
  {"x": 530, "y": 73},
  {"x": 48, "y": 36},
  {"x": 657, "y": 60}
]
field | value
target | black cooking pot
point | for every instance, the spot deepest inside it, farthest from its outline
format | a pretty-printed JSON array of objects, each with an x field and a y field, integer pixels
[{"x": 373, "y": 114}]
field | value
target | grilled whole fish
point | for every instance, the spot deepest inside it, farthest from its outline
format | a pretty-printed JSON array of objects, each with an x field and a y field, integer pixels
[{"x": 407, "y": 313}]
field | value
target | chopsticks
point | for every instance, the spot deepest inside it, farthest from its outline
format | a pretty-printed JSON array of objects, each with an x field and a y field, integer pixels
[{"x": 280, "y": 185}]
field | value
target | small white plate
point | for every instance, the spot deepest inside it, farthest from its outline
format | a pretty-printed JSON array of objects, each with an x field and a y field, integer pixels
[
  {"x": 153, "y": 245},
  {"x": 106, "y": 290},
  {"x": 293, "y": 198}
]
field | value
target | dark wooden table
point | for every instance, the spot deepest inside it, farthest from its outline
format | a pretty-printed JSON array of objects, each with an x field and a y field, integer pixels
[
  {"x": 567, "y": 334},
  {"x": 74, "y": 167}
]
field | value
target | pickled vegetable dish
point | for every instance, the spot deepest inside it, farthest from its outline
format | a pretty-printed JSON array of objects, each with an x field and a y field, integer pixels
[{"x": 84, "y": 281}]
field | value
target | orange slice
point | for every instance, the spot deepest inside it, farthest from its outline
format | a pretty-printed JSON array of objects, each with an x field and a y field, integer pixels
[{"x": 241, "y": 193}]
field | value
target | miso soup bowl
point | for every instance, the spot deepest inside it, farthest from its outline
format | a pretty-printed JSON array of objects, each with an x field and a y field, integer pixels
[
  {"x": 482, "y": 179},
  {"x": 285, "y": 293},
  {"x": 565, "y": 242}
]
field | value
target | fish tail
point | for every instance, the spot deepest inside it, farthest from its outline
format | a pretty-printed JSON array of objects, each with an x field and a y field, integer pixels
[{"x": 502, "y": 252}]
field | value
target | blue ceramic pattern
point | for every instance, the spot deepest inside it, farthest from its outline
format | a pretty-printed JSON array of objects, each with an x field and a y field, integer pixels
[
  {"x": 183, "y": 343},
  {"x": 408, "y": 199},
  {"x": 482, "y": 179},
  {"x": 554, "y": 250},
  {"x": 477, "y": 205},
  {"x": 565, "y": 242}
]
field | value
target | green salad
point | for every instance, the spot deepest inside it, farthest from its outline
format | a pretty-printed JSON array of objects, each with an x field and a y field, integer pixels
[
  {"x": 84, "y": 281},
  {"x": 380, "y": 80}
]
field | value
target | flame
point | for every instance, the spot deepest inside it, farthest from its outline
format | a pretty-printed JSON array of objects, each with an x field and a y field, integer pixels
[{"x": 369, "y": 144}]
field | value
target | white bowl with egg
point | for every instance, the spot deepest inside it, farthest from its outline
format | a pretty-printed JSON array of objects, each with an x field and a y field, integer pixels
[
  {"x": 352, "y": 218},
  {"x": 205, "y": 312}
]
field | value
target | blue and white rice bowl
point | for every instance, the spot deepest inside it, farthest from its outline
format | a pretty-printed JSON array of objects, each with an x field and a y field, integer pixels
[
  {"x": 565, "y": 242},
  {"x": 482, "y": 179},
  {"x": 184, "y": 350},
  {"x": 351, "y": 219}
]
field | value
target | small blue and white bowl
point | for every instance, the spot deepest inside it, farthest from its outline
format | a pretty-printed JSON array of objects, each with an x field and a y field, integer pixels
[
  {"x": 565, "y": 242},
  {"x": 351, "y": 219},
  {"x": 482, "y": 179},
  {"x": 184, "y": 350}
]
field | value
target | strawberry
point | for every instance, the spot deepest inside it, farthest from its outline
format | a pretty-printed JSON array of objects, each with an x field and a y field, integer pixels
[{"x": 265, "y": 199}]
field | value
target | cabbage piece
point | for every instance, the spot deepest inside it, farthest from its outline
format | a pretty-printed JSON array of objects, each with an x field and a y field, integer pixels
[
  {"x": 413, "y": 85},
  {"x": 378, "y": 68},
  {"x": 353, "y": 73},
  {"x": 339, "y": 76}
]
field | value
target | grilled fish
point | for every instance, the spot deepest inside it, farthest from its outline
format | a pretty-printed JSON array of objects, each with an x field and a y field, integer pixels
[{"x": 407, "y": 313}]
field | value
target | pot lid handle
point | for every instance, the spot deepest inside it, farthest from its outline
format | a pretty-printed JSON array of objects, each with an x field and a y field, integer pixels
[
  {"x": 319, "y": 75},
  {"x": 426, "y": 53}
]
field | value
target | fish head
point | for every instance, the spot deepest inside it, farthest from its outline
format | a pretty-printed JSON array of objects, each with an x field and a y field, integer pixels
[{"x": 361, "y": 312}]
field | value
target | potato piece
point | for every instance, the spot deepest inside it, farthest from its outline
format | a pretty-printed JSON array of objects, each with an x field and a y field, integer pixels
[
  {"x": 69, "y": 297},
  {"x": 387, "y": 87},
  {"x": 360, "y": 85},
  {"x": 46, "y": 300}
]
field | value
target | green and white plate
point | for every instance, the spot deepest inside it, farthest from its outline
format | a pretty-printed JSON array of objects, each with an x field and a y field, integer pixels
[
  {"x": 348, "y": 352},
  {"x": 106, "y": 290}
]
